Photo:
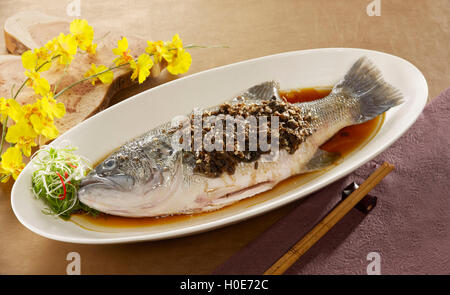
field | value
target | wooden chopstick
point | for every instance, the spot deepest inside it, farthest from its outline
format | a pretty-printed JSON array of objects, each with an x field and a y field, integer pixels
[{"x": 329, "y": 221}]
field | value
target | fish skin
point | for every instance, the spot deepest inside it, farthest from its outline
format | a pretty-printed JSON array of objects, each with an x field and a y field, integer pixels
[{"x": 147, "y": 177}]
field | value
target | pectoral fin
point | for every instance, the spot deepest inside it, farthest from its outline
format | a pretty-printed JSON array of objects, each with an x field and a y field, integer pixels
[{"x": 320, "y": 160}]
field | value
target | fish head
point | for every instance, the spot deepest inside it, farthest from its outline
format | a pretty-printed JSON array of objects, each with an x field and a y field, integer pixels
[
  {"x": 111, "y": 174},
  {"x": 130, "y": 179}
]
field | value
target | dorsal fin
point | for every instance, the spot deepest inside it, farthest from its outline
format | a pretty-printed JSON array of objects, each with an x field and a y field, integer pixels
[{"x": 264, "y": 91}]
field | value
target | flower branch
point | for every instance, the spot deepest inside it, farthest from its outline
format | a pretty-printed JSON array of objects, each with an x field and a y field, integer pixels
[{"x": 35, "y": 120}]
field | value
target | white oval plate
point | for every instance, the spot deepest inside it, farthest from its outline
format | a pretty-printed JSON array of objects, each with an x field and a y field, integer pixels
[{"x": 104, "y": 132}]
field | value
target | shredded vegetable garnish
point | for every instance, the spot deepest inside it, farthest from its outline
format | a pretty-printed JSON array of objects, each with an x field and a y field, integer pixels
[{"x": 56, "y": 180}]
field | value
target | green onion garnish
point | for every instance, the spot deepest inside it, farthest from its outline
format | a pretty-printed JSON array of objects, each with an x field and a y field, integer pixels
[{"x": 58, "y": 174}]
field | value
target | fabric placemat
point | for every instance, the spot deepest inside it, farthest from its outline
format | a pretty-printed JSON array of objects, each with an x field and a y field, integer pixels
[{"x": 409, "y": 228}]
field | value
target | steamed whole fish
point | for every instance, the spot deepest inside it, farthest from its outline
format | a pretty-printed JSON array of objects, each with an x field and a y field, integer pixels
[{"x": 149, "y": 177}]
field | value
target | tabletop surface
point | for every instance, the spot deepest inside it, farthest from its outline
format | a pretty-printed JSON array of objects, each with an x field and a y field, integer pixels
[{"x": 418, "y": 31}]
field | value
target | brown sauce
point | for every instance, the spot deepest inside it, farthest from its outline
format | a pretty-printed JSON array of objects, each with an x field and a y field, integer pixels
[{"x": 344, "y": 142}]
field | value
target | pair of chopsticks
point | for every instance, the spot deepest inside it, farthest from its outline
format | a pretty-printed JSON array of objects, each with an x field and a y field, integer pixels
[{"x": 329, "y": 221}]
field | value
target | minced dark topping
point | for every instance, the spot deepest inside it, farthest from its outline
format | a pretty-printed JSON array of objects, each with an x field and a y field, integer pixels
[{"x": 294, "y": 127}]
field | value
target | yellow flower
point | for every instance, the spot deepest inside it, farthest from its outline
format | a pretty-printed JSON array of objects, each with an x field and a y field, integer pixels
[
  {"x": 37, "y": 60},
  {"x": 43, "y": 59},
  {"x": 180, "y": 63},
  {"x": 31, "y": 109},
  {"x": 23, "y": 135},
  {"x": 172, "y": 48},
  {"x": 67, "y": 48},
  {"x": 29, "y": 60},
  {"x": 176, "y": 42},
  {"x": 123, "y": 52},
  {"x": 10, "y": 108},
  {"x": 11, "y": 163},
  {"x": 83, "y": 33},
  {"x": 3, "y": 109},
  {"x": 91, "y": 49},
  {"x": 141, "y": 68},
  {"x": 105, "y": 78},
  {"x": 52, "y": 45},
  {"x": 178, "y": 59},
  {"x": 39, "y": 84},
  {"x": 51, "y": 107},
  {"x": 157, "y": 49},
  {"x": 34, "y": 115},
  {"x": 44, "y": 125}
]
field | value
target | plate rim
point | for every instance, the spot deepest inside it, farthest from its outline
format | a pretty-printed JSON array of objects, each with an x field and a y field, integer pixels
[{"x": 250, "y": 212}]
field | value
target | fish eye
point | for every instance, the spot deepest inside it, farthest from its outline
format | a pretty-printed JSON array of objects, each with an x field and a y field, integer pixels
[
  {"x": 167, "y": 151},
  {"x": 109, "y": 164}
]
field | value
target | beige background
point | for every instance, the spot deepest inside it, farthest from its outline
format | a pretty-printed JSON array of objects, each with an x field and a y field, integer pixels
[{"x": 418, "y": 31}]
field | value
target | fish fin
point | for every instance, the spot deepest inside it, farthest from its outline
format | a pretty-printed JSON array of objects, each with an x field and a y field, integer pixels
[
  {"x": 320, "y": 160},
  {"x": 264, "y": 91},
  {"x": 363, "y": 83}
]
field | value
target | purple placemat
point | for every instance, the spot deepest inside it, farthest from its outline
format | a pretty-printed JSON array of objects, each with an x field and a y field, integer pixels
[{"x": 409, "y": 228}]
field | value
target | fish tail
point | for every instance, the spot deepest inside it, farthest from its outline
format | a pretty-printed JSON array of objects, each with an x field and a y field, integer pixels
[{"x": 371, "y": 95}]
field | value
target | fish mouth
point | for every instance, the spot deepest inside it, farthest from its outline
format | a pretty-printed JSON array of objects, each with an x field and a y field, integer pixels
[{"x": 99, "y": 182}]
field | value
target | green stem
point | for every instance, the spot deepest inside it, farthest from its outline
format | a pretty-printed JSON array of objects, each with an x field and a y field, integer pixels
[
  {"x": 87, "y": 78},
  {"x": 20, "y": 88},
  {"x": 60, "y": 78},
  {"x": 3, "y": 134},
  {"x": 92, "y": 76},
  {"x": 102, "y": 37},
  {"x": 115, "y": 67},
  {"x": 5, "y": 176},
  {"x": 4, "y": 123},
  {"x": 36, "y": 69},
  {"x": 205, "y": 46}
]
